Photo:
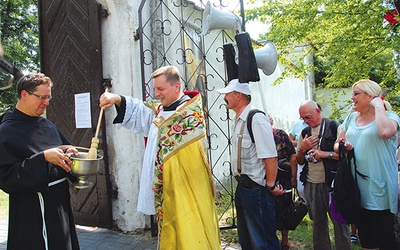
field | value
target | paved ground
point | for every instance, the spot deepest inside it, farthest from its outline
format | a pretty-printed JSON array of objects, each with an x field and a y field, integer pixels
[
  {"x": 100, "y": 238},
  {"x": 104, "y": 239}
]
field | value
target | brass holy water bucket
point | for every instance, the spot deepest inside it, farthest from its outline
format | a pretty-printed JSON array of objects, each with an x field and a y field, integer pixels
[{"x": 83, "y": 168}]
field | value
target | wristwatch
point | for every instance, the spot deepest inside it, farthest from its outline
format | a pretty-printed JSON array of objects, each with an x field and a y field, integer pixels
[
  {"x": 270, "y": 188},
  {"x": 330, "y": 154}
]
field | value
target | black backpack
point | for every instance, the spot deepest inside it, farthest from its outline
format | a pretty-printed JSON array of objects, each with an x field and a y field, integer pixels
[
  {"x": 249, "y": 120},
  {"x": 345, "y": 189}
]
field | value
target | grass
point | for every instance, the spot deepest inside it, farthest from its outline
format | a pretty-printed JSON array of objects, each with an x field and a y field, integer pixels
[
  {"x": 3, "y": 205},
  {"x": 301, "y": 238}
]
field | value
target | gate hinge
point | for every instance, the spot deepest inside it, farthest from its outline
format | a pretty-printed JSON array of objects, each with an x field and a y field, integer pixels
[
  {"x": 104, "y": 13},
  {"x": 107, "y": 83},
  {"x": 137, "y": 34},
  {"x": 114, "y": 193}
]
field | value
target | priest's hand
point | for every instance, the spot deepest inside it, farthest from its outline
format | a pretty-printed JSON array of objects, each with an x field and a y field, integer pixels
[
  {"x": 57, "y": 157},
  {"x": 108, "y": 99}
]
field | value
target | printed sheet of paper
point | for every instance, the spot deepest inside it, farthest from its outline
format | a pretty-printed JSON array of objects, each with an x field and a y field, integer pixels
[{"x": 83, "y": 116}]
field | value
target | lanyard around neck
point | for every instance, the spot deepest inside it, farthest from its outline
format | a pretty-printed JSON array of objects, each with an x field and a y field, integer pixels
[{"x": 321, "y": 131}]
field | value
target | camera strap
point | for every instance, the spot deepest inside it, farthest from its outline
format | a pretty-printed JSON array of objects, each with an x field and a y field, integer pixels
[{"x": 321, "y": 131}]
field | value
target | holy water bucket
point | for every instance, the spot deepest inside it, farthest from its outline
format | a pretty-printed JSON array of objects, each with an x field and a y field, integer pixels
[{"x": 83, "y": 168}]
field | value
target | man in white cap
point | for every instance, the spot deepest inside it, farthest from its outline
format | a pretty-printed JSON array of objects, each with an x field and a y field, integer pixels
[{"x": 255, "y": 171}]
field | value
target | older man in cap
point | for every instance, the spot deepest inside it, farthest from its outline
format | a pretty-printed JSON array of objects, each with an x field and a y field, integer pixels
[{"x": 255, "y": 168}]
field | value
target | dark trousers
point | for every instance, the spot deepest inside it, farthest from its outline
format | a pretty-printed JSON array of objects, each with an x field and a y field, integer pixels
[
  {"x": 255, "y": 207},
  {"x": 376, "y": 230}
]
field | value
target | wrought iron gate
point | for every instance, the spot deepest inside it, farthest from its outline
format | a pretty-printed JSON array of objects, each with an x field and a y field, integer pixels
[{"x": 171, "y": 35}]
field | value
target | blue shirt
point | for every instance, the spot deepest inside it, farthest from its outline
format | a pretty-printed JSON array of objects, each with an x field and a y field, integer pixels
[
  {"x": 297, "y": 128},
  {"x": 376, "y": 158}
]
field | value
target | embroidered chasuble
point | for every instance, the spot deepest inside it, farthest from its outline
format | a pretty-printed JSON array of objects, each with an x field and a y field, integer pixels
[{"x": 183, "y": 186}]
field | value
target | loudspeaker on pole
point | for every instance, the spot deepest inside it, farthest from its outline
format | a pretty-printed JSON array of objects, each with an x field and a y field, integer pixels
[
  {"x": 267, "y": 58},
  {"x": 218, "y": 19}
]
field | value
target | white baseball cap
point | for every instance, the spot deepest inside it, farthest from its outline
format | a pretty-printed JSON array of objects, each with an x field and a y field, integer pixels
[{"x": 235, "y": 85}]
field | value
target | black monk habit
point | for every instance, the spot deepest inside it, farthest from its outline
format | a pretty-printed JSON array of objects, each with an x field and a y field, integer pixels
[{"x": 38, "y": 192}]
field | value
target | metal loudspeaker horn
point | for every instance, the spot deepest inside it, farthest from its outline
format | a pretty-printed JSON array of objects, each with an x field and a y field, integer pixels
[
  {"x": 218, "y": 19},
  {"x": 8, "y": 72},
  {"x": 266, "y": 58}
]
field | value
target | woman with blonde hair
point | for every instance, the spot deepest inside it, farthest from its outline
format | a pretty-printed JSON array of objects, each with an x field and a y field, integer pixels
[{"x": 372, "y": 132}]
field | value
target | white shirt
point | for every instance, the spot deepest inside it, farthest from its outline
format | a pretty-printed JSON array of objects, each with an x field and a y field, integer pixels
[
  {"x": 139, "y": 119},
  {"x": 253, "y": 154}
]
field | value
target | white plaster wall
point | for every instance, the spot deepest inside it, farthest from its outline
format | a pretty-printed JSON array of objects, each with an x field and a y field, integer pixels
[
  {"x": 282, "y": 101},
  {"x": 121, "y": 63}
]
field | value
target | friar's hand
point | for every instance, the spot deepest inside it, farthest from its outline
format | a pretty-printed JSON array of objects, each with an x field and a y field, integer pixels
[{"x": 57, "y": 157}]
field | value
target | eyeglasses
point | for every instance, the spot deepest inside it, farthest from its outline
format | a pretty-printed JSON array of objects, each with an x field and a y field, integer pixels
[
  {"x": 307, "y": 117},
  {"x": 355, "y": 93},
  {"x": 43, "y": 98}
]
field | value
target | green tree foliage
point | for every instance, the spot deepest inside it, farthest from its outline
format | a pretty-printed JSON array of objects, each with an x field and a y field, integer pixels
[
  {"x": 349, "y": 40},
  {"x": 20, "y": 39}
]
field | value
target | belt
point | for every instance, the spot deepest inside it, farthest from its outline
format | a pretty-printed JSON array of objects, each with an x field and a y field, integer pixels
[
  {"x": 246, "y": 182},
  {"x": 57, "y": 181},
  {"x": 238, "y": 178}
]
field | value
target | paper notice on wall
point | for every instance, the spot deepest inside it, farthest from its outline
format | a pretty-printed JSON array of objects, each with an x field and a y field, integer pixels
[{"x": 83, "y": 116}]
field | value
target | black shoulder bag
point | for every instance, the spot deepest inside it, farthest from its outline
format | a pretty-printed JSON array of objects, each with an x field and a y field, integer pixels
[
  {"x": 345, "y": 192},
  {"x": 295, "y": 212}
]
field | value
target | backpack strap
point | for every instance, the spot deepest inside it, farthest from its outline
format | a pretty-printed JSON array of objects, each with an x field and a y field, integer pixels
[
  {"x": 306, "y": 131},
  {"x": 334, "y": 127},
  {"x": 249, "y": 120}
]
